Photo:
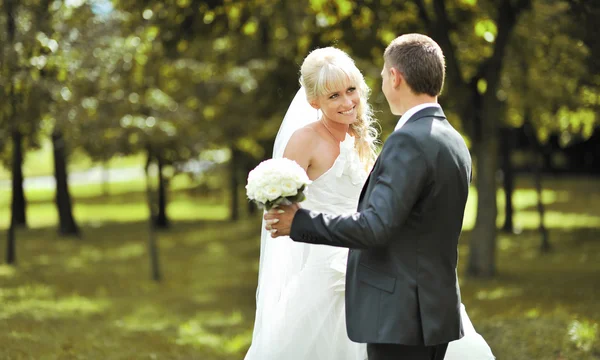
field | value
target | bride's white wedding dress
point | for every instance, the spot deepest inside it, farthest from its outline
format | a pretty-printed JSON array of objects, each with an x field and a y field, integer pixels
[{"x": 300, "y": 298}]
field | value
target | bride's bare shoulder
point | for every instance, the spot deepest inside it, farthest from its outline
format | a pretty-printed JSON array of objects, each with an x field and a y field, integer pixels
[
  {"x": 304, "y": 136},
  {"x": 302, "y": 143}
]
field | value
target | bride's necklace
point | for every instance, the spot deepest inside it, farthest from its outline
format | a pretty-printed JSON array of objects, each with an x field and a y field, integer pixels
[{"x": 329, "y": 131}]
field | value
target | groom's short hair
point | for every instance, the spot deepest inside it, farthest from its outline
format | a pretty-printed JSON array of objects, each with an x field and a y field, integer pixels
[{"x": 420, "y": 60}]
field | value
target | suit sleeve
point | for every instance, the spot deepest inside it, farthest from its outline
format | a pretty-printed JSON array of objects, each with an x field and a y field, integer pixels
[{"x": 399, "y": 181}]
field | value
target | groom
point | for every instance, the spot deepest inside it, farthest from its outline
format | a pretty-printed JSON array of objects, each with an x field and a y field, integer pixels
[{"x": 402, "y": 294}]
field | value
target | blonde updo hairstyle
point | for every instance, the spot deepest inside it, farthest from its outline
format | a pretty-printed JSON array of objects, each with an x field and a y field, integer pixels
[{"x": 326, "y": 70}]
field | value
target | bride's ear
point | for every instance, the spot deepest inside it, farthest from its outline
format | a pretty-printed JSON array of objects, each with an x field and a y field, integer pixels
[{"x": 315, "y": 105}]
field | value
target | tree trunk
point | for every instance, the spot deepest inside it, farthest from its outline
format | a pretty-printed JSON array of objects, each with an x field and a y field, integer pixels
[
  {"x": 18, "y": 206},
  {"x": 105, "y": 178},
  {"x": 18, "y": 197},
  {"x": 249, "y": 164},
  {"x": 482, "y": 255},
  {"x": 252, "y": 208},
  {"x": 162, "y": 220},
  {"x": 507, "y": 178},
  {"x": 234, "y": 183},
  {"x": 11, "y": 251},
  {"x": 481, "y": 123},
  {"x": 538, "y": 153},
  {"x": 482, "y": 246},
  {"x": 67, "y": 225},
  {"x": 545, "y": 244},
  {"x": 152, "y": 236}
]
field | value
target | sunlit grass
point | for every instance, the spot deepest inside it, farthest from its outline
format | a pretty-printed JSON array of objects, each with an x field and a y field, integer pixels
[
  {"x": 528, "y": 310},
  {"x": 42, "y": 309},
  {"x": 40, "y": 162},
  {"x": 92, "y": 298},
  {"x": 565, "y": 208},
  {"x": 214, "y": 331},
  {"x": 583, "y": 334},
  {"x": 127, "y": 202},
  {"x": 7, "y": 271}
]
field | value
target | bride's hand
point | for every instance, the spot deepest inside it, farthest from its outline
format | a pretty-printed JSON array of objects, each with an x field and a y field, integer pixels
[{"x": 279, "y": 220}]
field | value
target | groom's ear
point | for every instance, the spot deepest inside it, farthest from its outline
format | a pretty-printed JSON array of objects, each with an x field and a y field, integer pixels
[{"x": 395, "y": 77}]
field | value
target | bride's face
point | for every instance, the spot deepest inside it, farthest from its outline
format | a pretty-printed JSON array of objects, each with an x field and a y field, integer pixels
[{"x": 341, "y": 105}]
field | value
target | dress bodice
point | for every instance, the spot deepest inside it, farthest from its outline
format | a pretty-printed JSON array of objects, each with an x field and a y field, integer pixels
[{"x": 337, "y": 190}]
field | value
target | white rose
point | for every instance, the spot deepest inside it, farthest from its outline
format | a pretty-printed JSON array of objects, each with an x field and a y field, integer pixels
[
  {"x": 289, "y": 188},
  {"x": 275, "y": 177},
  {"x": 261, "y": 196},
  {"x": 249, "y": 189},
  {"x": 272, "y": 191}
]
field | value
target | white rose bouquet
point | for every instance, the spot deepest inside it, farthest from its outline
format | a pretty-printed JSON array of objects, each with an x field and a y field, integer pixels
[{"x": 277, "y": 181}]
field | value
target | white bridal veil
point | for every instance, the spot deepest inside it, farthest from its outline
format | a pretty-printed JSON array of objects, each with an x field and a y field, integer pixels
[{"x": 280, "y": 258}]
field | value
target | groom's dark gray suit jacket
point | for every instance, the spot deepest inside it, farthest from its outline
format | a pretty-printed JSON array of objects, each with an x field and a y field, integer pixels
[{"x": 401, "y": 283}]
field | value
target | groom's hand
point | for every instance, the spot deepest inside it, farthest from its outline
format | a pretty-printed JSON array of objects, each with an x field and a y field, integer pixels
[{"x": 279, "y": 220}]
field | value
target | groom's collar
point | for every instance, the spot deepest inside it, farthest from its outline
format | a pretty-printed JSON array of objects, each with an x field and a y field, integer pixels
[{"x": 416, "y": 112}]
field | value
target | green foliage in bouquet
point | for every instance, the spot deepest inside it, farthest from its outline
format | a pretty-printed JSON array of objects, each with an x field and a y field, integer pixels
[{"x": 286, "y": 200}]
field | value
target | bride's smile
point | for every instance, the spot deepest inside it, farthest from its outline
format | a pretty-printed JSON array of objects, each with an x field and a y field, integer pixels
[{"x": 348, "y": 112}]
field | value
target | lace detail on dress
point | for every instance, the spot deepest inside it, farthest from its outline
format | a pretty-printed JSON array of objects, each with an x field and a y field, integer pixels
[
  {"x": 338, "y": 189},
  {"x": 349, "y": 162}
]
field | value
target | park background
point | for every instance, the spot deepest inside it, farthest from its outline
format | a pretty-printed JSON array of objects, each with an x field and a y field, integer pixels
[{"x": 127, "y": 129}]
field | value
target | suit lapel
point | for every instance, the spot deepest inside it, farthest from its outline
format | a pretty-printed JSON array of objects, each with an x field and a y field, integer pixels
[{"x": 429, "y": 112}]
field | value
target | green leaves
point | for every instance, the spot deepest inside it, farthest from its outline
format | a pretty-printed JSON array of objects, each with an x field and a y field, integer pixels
[
  {"x": 486, "y": 29},
  {"x": 547, "y": 73},
  {"x": 224, "y": 71}
]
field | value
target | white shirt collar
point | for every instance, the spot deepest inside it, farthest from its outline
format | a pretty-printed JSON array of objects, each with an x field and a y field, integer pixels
[{"x": 407, "y": 115}]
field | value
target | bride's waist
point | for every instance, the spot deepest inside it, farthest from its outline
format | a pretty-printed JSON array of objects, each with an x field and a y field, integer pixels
[{"x": 332, "y": 205}]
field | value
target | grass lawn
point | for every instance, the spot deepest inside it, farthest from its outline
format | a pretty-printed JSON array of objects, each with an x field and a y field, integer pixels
[
  {"x": 40, "y": 162},
  {"x": 91, "y": 298},
  {"x": 125, "y": 203}
]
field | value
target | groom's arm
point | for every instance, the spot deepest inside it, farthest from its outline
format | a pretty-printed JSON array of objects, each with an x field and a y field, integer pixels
[{"x": 402, "y": 176}]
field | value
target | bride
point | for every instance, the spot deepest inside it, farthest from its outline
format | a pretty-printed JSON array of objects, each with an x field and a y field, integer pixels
[{"x": 329, "y": 131}]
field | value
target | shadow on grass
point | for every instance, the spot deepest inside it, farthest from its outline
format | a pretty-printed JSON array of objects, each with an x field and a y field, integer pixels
[
  {"x": 538, "y": 304},
  {"x": 564, "y": 198},
  {"x": 93, "y": 297}
]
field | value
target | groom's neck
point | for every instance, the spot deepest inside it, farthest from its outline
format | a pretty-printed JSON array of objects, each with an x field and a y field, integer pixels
[{"x": 412, "y": 100}]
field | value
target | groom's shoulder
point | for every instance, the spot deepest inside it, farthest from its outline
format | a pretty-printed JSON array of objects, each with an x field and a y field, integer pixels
[
  {"x": 413, "y": 130},
  {"x": 403, "y": 137}
]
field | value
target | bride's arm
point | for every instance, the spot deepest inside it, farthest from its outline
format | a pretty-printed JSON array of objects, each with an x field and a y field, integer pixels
[{"x": 299, "y": 147}]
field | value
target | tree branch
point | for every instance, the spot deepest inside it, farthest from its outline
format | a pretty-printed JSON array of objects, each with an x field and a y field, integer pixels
[
  {"x": 442, "y": 35},
  {"x": 423, "y": 14},
  {"x": 507, "y": 19}
]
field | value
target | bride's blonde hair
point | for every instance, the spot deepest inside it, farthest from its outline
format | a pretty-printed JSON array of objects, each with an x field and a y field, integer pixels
[{"x": 328, "y": 69}]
